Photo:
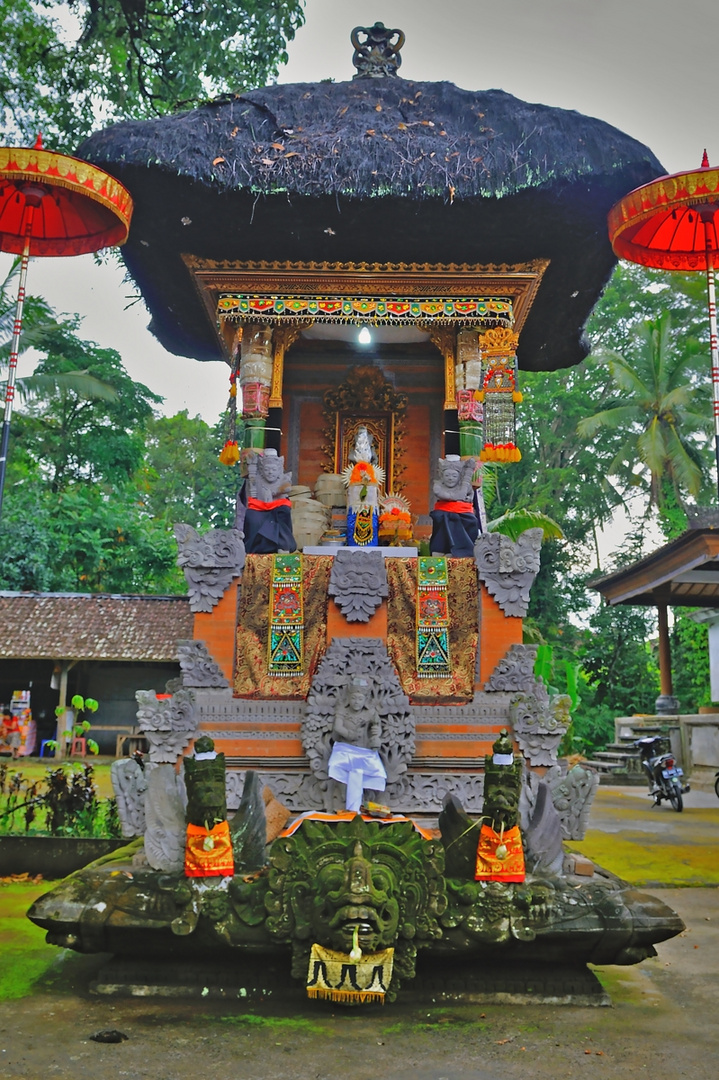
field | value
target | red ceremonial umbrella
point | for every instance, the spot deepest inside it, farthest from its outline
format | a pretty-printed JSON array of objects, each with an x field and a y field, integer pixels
[
  {"x": 673, "y": 224},
  {"x": 52, "y": 204}
]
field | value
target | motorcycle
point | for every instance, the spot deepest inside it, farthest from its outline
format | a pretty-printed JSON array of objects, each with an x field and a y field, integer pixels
[{"x": 664, "y": 775}]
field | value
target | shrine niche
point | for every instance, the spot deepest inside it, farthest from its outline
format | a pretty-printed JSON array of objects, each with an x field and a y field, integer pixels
[{"x": 365, "y": 399}]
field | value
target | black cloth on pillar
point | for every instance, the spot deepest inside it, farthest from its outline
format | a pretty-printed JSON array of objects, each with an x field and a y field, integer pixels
[
  {"x": 269, "y": 531},
  {"x": 453, "y": 534}
]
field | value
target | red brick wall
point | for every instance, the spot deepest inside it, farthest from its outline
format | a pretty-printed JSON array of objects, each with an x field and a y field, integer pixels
[{"x": 217, "y": 629}]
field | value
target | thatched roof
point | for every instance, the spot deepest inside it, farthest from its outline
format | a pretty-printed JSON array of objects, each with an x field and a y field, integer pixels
[
  {"x": 93, "y": 626},
  {"x": 376, "y": 170}
]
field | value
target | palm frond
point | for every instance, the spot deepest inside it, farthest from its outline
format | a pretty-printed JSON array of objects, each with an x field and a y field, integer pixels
[
  {"x": 514, "y": 522},
  {"x": 613, "y": 417},
  {"x": 684, "y": 466},
  {"x": 80, "y": 382},
  {"x": 652, "y": 447}
]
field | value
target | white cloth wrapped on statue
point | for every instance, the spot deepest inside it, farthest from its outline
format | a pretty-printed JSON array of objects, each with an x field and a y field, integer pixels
[
  {"x": 268, "y": 527},
  {"x": 359, "y": 768},
  {"x": 455, "y": 528}
]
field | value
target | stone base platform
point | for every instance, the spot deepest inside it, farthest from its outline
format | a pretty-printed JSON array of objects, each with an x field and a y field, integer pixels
[{"x": 268, "y": 979}]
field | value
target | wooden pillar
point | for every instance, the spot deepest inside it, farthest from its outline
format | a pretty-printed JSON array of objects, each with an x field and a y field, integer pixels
[
  {"x": 665, "y": 652},
  {"x": 65, "y": 666},
  {"x": 282, "y": 338},
  {"x": 445, "y": 339}
]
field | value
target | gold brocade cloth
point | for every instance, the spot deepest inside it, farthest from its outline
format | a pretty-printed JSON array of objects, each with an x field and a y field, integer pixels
[
  {"x": 463, "y": 606},
  {"x": 252, "y": 678},
  {"x": 490, "y": 867},
  {"x": 336, "y": 977},
  {"x": 208, "y": 852}
]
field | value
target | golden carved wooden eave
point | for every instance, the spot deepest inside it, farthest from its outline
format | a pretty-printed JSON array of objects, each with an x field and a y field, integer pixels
[{"x": 517, "y": 283}]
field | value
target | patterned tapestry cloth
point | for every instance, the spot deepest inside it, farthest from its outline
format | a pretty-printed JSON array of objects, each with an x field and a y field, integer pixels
[
  {"x": 285, "y": 646},
  {"x": 208, "y": 852},
  {"x": 252, "y": 678},
  {"x": 463, "y": 601},
  {"x": 432, "y": 645},
  {"x": 490, "y": 867},
  {"x": 334, "y": 976}
]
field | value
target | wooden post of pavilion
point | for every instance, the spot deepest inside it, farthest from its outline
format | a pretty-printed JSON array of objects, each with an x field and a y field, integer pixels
[{"x": 666, "y": 702}]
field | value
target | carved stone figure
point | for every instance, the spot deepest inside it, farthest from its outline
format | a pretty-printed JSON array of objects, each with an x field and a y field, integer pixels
[
  {"x": 363, "y": 448},
  {"x": 573, "y": 796},
  {"x": 167, "y": 724},
  {"x": 502, "y": 784},
  {"x": 454, "y": 524},
  {"x": 358, "y": 583},
  {"x": 248, "y": 827},
  {"x": 539, "y": 723},
  {"x": 508, "y": 567},
  {"x": 209, "y": 562},
  {"x": 129, "y": 782},
  {"x": 377, "y": 56},
  {"x": 165, "y": 820},
  {"x": 198, "y": 668},
  {"x": 356, "y": 719},
  {"x": 345, "y": 659},
  {"x": 324, "y": 874},
  {"x": 205, "y": 782},
  {"x": 515, "y": 671},
  {"x": 268, "y": 519},
  {"x": 356, "y": 737},
  {"x": 541, "y": 827},
  {"x": 454, "y": 478}
]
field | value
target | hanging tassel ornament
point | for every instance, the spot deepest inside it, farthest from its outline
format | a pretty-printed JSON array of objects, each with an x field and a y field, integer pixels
[
  {"x": 230, "y": 453},
  {"x": 499, "y": 394}
]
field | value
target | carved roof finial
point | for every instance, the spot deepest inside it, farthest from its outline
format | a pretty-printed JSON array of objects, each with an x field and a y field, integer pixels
[{"x": 377, "y": 55}]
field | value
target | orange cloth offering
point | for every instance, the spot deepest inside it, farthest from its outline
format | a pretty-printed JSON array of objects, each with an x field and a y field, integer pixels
[
  {"x": 500, "y": 858},
  {"x": 208, "y": 852}
]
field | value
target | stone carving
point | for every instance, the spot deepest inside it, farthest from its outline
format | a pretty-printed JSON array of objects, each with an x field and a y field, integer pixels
[
  {"x": 414, "y": 792},
  {"x": 248, "y": 827},
  {"x": 515, "y": 671},
  {"x": 168, "y": 724},
  {"x": 368, "y": 658},
  {"x": 508, "y": 567},
  {"x": 129, "y": 782},
  {"x": 322, "y": 876},
  {"x": 454, "y": 479},
  {"x": 573, "y": 795},
  {"x": 165, "y": 820},
  {"x": 205, "y": 783},
  {"x": 539, "y": 722},
  {"x": 266, "y": 477},
  {"x": 210, "y": 562},
  {"x": 198, "y": 667},
  {"x": 358, "y": 583},
  {"x": 376, "y": 55},
  {"x": 541, "y": 827}
]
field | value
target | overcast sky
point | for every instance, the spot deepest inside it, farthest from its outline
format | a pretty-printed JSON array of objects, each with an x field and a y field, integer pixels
[{"x": 646, "y": 66}]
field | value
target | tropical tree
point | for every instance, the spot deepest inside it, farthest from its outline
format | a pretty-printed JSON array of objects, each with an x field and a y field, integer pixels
[
  {"x": 67, "y": 64},
  {"x": 655, "y": 412}
]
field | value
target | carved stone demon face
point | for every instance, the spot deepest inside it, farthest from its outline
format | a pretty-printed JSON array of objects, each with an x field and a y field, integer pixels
[
  {"x": 502, "y": 785},
  {"x": 356, "y": 894}
]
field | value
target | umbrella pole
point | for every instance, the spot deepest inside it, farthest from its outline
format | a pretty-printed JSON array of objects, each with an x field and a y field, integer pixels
[
  {"x": 714, "y": 348},
  {"x": 14, "y": 352}
]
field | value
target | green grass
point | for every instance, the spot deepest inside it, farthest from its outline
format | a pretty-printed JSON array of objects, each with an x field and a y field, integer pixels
[
  {"x": 653, "y": 859},
  {"x": 277, "y": 1024},
  {"x": 25, "y": 956}
]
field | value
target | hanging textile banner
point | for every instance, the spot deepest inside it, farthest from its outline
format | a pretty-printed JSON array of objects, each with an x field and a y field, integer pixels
[
  {"x": 285, "y": 644},
  {"x": 337, "y": 977},
  {"x": 432, "y": 648}
]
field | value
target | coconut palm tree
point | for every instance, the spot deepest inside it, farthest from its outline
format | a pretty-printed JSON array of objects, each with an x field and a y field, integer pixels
[{"x": 655, "y": 411}]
